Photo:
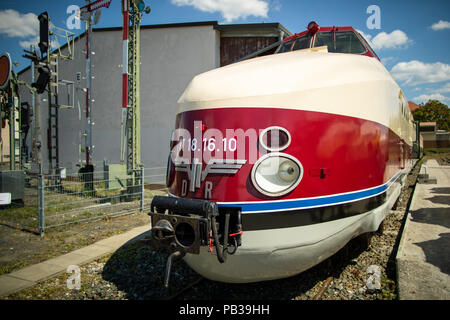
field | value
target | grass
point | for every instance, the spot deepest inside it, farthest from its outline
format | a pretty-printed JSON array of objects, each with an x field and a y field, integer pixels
[
  {"x": 64, "y": 207},
  {"x": 64, "y": 239},
  {"x": 11, "y": 267}
]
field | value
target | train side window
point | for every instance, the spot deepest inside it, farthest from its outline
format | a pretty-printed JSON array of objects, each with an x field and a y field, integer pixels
[
  {"x": 285, "y": 47},
  {"x": 302, "y": 43}
]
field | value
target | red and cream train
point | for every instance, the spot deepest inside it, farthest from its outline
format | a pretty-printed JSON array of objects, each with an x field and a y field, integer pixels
[{"x": 278, "y": 161}]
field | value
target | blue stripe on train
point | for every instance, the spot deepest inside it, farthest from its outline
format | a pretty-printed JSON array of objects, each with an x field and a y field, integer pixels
[{"x": 250, "y": 207}]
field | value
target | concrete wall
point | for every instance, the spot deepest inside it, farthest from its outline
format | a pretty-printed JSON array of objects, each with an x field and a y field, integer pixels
[
  {"x": 170, "y": 58},
  {"x": 435, "y": 139}
]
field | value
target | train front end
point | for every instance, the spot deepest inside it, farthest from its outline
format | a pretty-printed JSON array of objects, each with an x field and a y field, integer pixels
[
  {"x": 226, "y": 165},
  {"x": 277, "y": 162}
]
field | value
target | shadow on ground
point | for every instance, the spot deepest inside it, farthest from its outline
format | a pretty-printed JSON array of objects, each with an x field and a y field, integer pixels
[
  {"x": 436, "y": 216},
  {"x": 440, "y": 190},
  {"x": 138, "y": 270},
  {"x": 436, "y": 252},
  {"x": 439, "y": 199}
]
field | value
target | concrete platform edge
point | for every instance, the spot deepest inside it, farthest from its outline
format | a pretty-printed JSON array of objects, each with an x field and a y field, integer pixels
[{"x": 31, "y": 275}]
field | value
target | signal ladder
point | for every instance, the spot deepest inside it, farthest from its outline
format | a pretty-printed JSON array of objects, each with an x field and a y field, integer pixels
[
  {"x": 52, "y": 130},
  {"x": 15, "y": 132}
]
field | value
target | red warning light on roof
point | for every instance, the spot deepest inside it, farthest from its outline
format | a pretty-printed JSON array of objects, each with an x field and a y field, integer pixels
[{"x": 313, "y": 27}]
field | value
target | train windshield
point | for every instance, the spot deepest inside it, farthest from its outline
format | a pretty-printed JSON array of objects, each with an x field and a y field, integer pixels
[
  {"x": 339, "y": 41},
  {"x": 336, "y": 41},
  {"x": 302, "y": 43}
]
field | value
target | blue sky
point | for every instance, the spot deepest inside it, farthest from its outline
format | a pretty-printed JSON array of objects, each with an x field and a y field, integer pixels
[{"x": 412, "y": 38}]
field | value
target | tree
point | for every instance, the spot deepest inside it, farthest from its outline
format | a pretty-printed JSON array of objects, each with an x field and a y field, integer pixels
[{"x": 434, "y": 111}]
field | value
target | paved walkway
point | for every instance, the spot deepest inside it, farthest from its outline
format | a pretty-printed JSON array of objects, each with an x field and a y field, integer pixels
[
  {"x": 423, "y": 259},
  {"x": 29, "y": 276}
]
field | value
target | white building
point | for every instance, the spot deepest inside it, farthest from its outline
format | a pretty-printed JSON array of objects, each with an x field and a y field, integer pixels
[{"x": 171, "y": 55}]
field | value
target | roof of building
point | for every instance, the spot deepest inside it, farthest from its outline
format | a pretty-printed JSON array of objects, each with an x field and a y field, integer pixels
[
  {"x": 228, "y": 29},
  {"x": 162, "y": 26},
  {"x": 413, "y": 106},
  {"x": 214, "y": 24}
]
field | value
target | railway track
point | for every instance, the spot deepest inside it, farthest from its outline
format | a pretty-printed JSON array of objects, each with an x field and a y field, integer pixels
[
  {"x": 137, "y": 272},
  {"x": 345, "y": 275}
]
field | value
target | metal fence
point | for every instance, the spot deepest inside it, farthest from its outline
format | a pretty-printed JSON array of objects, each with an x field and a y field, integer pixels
[{"x": 57, "y": 200}]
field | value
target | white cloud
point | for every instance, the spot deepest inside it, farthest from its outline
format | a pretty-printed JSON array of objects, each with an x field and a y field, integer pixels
[
  {"x": 394, "y": 40},
  {"x": 229, "y": 9},
  {"x": 276, "y": 5},
  {"x": 445, "y": 88},
  {"x": 26, "y": 43},
  {"x": 388, "y": 60},
  {"x": 434, "y": 96},
  {"x": 416, "y": 72},
  {"x": 441, "y": 25},
  {"x": 16, "y": 24}
]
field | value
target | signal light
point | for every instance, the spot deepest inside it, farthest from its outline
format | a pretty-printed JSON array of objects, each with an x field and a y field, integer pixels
[
  {"x": 42, "y": 80},
  {"x": 43, "y": 32},
  {"x": 140, "y": 4}
]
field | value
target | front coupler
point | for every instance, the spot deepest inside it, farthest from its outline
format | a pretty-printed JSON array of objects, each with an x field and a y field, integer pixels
[{"x": 184, "y": 225}]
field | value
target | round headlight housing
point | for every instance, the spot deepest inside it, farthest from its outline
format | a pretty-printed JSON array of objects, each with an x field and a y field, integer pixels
[
  {"x": 276, "y": 174},
  {"x": 275, "y": 138}
]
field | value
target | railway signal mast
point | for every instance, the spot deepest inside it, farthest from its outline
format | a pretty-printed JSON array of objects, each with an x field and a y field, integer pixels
[
  {"x": 130, "y": 145},
  {"x": 91, "y": 9},
  {"x": 48, "y": 80}
]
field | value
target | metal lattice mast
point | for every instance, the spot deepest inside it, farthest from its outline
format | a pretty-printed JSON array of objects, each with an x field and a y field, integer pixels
[
  {"x": 52, "y": 138},
  {"x": 133, "y": 110},
  {"x": 88, "y": 130},
  {"x": 50, "y": 67},
  {"x": 86, "y": 13},
  {"x": 131, "y": 129}
]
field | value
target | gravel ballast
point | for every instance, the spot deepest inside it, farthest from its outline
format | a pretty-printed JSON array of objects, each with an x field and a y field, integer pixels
[{"x": 137, "y": 272}]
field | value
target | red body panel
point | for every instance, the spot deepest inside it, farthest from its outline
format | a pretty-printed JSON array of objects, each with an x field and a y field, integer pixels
[{"x": 354, "y": 154}]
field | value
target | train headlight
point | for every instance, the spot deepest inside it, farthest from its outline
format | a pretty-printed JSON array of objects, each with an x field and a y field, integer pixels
[
  {"x": 276, "y": 174},
  {"x": 288, "y": 171}
]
